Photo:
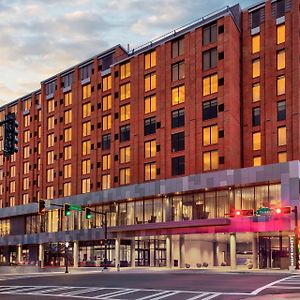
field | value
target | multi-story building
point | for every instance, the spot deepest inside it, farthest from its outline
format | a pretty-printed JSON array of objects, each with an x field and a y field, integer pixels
[{"x": 170, "y": 140}]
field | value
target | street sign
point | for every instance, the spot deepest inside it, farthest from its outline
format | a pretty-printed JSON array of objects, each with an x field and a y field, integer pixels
[
  {"x": 75, "y": 207},
  {"x": 263, "y": 211}
]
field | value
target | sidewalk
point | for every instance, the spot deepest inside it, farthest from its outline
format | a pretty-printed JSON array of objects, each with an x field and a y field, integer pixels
[{"x": 276, "y": 297}]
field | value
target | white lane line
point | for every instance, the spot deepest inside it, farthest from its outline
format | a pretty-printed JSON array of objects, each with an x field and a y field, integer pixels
[
  {"x": 7, "y": 288},
  {"x": 26, "y": 289},
  {"x": 47, "y": 291},
  {"x": 116, "y": 293},
  {"x": 289, "y": 282},
  {"x": 123, "y": 293},
  {"x": 199, "y": 296},
  {"x": 154, "y": 295},
  {"x": 214, "y": 295},
  {"x": 170, "y": 293},
  {"x": 285, "y": 287},
  {"x": 81, "y": 291}
]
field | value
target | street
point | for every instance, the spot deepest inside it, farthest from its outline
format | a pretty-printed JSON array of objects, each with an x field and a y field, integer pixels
[{"x": 141, "y": 285}]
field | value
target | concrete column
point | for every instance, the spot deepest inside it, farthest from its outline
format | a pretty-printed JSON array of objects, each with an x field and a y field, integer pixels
[
  {"x": 181, "y": 252},
  {"x": 215, "y": 253},
  {"x": 233, "y": 250},
  {"x": 19, "y": 254},
  {"x": 41, "y": 255},
  {"x": 169, "y": 252},
  {"x": 254, "y": 251},
  {"x": 132, "y": 253},
  {"x": 117, "y": 252},
  {"x": 76, "y": 254},
  {"x": 152, "y": 261}
]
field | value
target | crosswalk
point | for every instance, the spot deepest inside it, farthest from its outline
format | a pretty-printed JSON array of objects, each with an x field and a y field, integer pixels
[
  {"x": 107, "y": 293},
  {"x": 289, "y": 283}
]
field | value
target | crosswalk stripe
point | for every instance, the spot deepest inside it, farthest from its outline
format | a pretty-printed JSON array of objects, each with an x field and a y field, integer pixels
[
  {"x": 285, "y": 287},
  {"x": 154, "y": 295},
  {"x": 199, "y": 296},
  {"x": 165, "y": 296},
  {"x": 214, "y": 295},
  {"x": 81, "y": 291},
  {"x": 110, "y": 294}
]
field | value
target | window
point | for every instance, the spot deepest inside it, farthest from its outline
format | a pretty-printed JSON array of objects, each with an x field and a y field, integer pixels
[
  {"x": 125, "y": 176},
  {"x": 86, "y": 110},
  {"x": 50, "y": 123},
  {"x": 12, "y": 187},
  {"x": 50, "y": 88},
  {"x": 50, "y": 175},
  {"x": 255, "y": 43},
  {"x": 280, "y": 85},
  {"x": 149, "y": 126},
  {"x": 280, "y": 36},
  {"x": 281, "y": 110},
  {"x": 255, "y": 68},
  {"x": 68, "y": 135},
  {"x": 256, "y": 141},
  {"x": 281, "y": 134},
  {"x": 150, "y": 149},
  {"x": 178, "y": 118},
  {"x": 67, "y": 80},
  {"x": 106, "y": 83},
  {"x": 86, "y": 91},
  {"x": 105, "y": 162},
  {"x": 210, "y": 135},
  {"x": 50, "y": 157},
  {"x": 256, "y": 92},
  {"x": 125, "y": 91},
  {"x": 25, "y": 199},
  {"x": 124, "y": 133},
  {"x": 178, "y": 166},
  {"x": 150, "y": 104},
  {"x": 86, "y": 147},
  {"x": 210, "y": 160},
  {"x": 106, "y": 122},
  {"x": 209, "y": 59},
  {"x": 26, "y": 104},
  {"x": 26, "y": 120},
  {"x": 85, "y": 185},
  {"x": 210, "y": 109},
  {"x": 177, "y": 47},
  {"x": 178, "y": 71},
  {"x": 26, "y": 136},
  {"x": 256, "y": 18},
  {"x": 26, "y": 168},
  {"x": 67, "y": 171},
  {"x": 106, "y": 103},
  {"x": 178, "y": 95},
  {"x": 210, "y": 84},
  {"x": 150, "y": 171},
  {"x": 256, "y": 116},
  {"x": 106, "y": 141},
  {"x": 67, "y": 152},
  {"x": 177, "y": 142},
  {"x": 68, "y": 116},
  {"x": 282, "y": 157},
  {"x": 86, "y": 167},
  {"x": 125, "y": 70},
  {"x": 150, "y": 60},
  {"x": 106, "y": 182},
  {"x": 12, "y": 171},
  {"x": 86, "y": 128},
  {"x": 256, "y": 161},
  {"x": 125, "y": 112},
  {"x": 86, "y": 71},
  {"x": 50, "y": 192},
  {"x": 150, "y": 82},
  {"x": 67, "y": 189},
  {"x": 209, "y": 34},
  {"x": 50, "y": 140},
  {"x": 125, "y": 155},
  {"x": 50, "y": 105},
  {"x": 280, "y": 59}
]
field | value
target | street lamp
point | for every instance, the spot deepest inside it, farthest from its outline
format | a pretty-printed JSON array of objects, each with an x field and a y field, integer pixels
[{"x": 66, "y": 257}]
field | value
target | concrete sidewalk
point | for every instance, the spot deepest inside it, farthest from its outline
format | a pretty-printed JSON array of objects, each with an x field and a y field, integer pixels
[{"x": 275, "y": 297}]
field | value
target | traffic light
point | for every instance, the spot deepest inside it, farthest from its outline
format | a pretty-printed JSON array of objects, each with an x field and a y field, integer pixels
[
  {"x": 242, "y": 213},
  {"x": 41, "y": 207},
  {"x": 67, "y": 209},
  {"x": 88, "y": 213},
  {"x": 283, "y": 210},
  {"x": 10, "y": 135}
]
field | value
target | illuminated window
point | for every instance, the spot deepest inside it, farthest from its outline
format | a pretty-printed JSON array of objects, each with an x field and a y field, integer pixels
[
  {"x": 125, "y": 70},
  {"x": 86, "y": 147},
  {"x": 150, "y": 171},
  {"x": 125, "y": 176},
  {"x": 178, "y": 71},
  {"x": 12, "y": 201},
  {"x": 177, "y": 47},
  {"x": 125, "y": 91},
  {"x": 67, "y": 189},
  {"x": 150, "y": 104},
  {"x": 255, "y": 43},
  {"x": 125, "y": 155},
  {"x": 68, "y": 116},
  {"x": 50, "y": 192},
  {"x": 125, "y": 112},
  {"x": 281, "y": 60},
  {"x": 178, "y": 95},
  {"x": 86, "y": 110},
  {"x": 67, "y": 152},
  {"x": 256, "y": 141},
  {"x": 26, "y": 136},
  {"x": 106, "y": 162},
  {"x": 106, "y": 103},
  {"x": 150, "y": 149},
  {"x": 210, "y": 160},
  {"x": 106, "y": 122},
  {"x": 67, "y": 171},
  {"x": 86, "y": 91},
  {"x": 150, "y": 60},
  {"x": 255, "y": 68},
  {"x": 50, "y": 123},
  {"x": 26, "y": 152},
  {"x": 50, "y": 175},
  {"x": 86, "y": 167},
  {"x": 39, "y": 131},
  {"x": 210, "y": 84},
  {"x": 26, "y": 104},
  {"x": 50, "y": 157},
  {"x": 150, "y": 82},
  {"x": 86, "y": 128},
  {"x": 210, "y": 135},
  {"x": 68, "y": 135},
  {"x": 106, "y": 83},
  {"x": 256, "y": 92},
  {"x": 26, "y": 168},
  {"x": 280, "y": 85},
  {"x": 256, "y": 161},
  {"x": 282, "y": 157},
  {"x": 12, "y": 171},
  {"x": 25, "y": 199},
  {"x": 281, "y": 134},
  {"x": 26, "y": 120},
  {"x": 280, "y": 37},
  {"x": 50, "y": 105},
  {"x": 12, "y": 187},
  {"x": 68, "y": 99},
  {"x": 85, "y": 185},
  {"x": 106, "y": 182}
]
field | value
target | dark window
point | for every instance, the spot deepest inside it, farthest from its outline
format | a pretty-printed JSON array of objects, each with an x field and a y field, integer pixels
[
  {"x": 149, "y": 126},
  {"x": 256, "y": 116},
  {"x": 106, "y": 62},
  {"x": 177, "y": 141},
  {"x": 221, "y": 55},
  {"x": 221, "y": 29},
  {"x": 86, "y": 71},
  {"x": 177, "y": 47},
  {"x": 106, "y": 141},
  {"x": 209, "y": 109},
  {"x": 280, "y": 8},
  {"x": 210, "y": 59},
  {"x": 178, "y": 118},
  {"x": 210, "y": 34},
  {"x": 178, "y": 71},
  {"x": 281, "y": 110},
  {"x": 67, "y": 80},
  {"x": 256, "y": 18},
  {"x": 125, "y": 133},
  {"x": 178, "y": 165},
  {"x": 50, "y": 88}
]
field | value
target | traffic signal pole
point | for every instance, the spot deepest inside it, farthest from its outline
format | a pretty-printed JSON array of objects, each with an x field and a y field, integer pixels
[{"x": 295, "y": 211}]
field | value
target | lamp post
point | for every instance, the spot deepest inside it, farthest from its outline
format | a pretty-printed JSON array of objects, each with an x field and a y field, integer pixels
[
  {"x": 105, "y": 241},
  {"x": 66, "y": 257},
  {"x": 295, "y": 211}
]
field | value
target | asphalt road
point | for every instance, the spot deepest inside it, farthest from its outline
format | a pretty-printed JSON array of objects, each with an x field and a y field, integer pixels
[{"x": 168, "y": 285}]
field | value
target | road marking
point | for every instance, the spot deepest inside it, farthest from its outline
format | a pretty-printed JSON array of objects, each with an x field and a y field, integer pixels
[
  {"x": 199, "y": 296},
  {"x": 110, "y": 294},
  {"x": 155, "y": 295},
  {"x": 80, "y": 291},
  {"x": 285, "y": 287},
  {"x": 212, "y": 296},
  {"x": 169, "y": 294}
]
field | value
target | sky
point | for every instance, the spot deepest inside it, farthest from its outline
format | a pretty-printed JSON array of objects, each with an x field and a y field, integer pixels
[{"x": 40, "y": 38}]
